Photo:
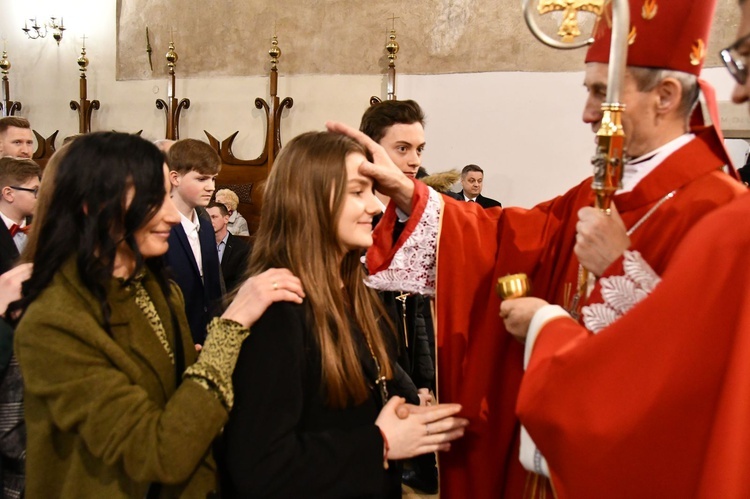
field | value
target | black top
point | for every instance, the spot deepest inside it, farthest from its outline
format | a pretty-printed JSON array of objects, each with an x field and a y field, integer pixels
[
  {"x": 8, "y": 250},
  {"x": 282, "y": 441},
  {"x": 234, "y": 261}
]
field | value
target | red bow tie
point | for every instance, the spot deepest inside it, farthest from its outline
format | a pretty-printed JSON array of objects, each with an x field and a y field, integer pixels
[{"x": 15, "y": 229}]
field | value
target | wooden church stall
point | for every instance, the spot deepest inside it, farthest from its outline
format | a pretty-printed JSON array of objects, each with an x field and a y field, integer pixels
[{"x": 245, "y": 176}]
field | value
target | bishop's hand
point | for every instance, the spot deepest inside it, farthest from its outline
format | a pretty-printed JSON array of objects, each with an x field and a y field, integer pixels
[
  {"x": 387, "y": 177},
  {"x": 601, "y": 238},
  {"x": 517, "y": 314}
]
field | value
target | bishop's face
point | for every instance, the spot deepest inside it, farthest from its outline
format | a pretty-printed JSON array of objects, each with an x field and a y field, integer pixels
[{"x": 642, "y": 134}]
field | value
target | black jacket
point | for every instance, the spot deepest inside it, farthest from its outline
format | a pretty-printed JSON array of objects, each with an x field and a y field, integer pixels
[
  {"x": 8, "y": 250},
  {"x": 234, "y": 261},
  {"x": 202, "y": 297},
  {"x": 481, "y": 200}
]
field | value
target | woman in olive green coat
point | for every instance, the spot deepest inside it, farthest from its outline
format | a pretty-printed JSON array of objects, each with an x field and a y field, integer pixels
[{"x": 118, "y": 403}]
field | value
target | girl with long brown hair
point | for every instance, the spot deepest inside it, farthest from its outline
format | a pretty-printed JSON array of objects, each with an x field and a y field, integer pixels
[{"x": 312, "y": 414}]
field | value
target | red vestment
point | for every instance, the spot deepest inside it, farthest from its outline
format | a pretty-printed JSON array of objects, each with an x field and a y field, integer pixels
[
  {"x": 479, "y": 364},
  {"x": 657, "y": 404}
]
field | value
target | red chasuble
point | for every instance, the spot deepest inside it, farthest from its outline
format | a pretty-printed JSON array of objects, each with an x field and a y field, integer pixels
[
  {"x": 658, "y": 404},
  {"x": 479, "y": 364}
]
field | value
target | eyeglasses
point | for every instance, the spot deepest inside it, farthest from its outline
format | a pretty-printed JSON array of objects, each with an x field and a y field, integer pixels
[
  {"x": 735, "y": 61},
  {"x": 35, "y": 190}
]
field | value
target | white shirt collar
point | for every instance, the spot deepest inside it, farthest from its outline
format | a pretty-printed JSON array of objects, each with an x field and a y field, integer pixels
[
  {"x": 190, "y": 225},
  {"x": 9, "y": 222},
  {"x": 636, "y": 169}
]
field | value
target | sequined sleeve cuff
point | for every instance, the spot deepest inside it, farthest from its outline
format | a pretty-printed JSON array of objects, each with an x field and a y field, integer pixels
[{"x": 217, "y": 359}]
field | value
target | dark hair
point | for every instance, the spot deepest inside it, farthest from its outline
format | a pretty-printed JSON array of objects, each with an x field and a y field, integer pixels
[
  {"x": 16, "y": 171},
  {"x": 222, "y": 208},
  {"x": 15, "y": 121},
  {"x": 189, "y": 155},
  {"x": 88, "y": 215},
  {"x": 470, "y": 168},
  {"x": 383, "y": 115}
]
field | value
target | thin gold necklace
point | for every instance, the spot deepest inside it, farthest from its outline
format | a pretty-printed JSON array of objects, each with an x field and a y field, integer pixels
[{"x": 380, "y": 379}]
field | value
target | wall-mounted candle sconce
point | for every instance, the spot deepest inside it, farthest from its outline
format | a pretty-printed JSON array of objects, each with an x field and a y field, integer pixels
[{"x": 35, "y": 31}]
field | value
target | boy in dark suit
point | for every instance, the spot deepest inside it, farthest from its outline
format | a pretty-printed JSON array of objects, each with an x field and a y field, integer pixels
[
  {"x": 398, "y": 126},
  {"x": 192, "y": 256},
  {"x": 234, "y": 252},
  {"x": 19, "y": 184}
]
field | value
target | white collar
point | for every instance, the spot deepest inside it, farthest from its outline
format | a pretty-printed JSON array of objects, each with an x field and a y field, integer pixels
[
  {"x": 190, "y": 225},
  {"x": 636, "y": 169},
  {"x": 9, "y": 223}
]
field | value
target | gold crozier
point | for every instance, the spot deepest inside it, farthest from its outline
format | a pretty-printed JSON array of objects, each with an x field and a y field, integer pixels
[{"x": 569, "y": 28}]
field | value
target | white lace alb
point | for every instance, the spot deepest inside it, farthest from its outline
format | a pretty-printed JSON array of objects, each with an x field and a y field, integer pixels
[{"x": 413, "y": 266}]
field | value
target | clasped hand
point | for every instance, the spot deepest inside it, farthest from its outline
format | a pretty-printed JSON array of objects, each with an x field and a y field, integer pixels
[
  {"x": 10, "y": 285},
  {"x": 414, "y": 430}
]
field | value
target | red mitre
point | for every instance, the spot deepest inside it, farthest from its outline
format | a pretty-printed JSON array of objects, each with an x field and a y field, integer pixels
[
  {"x": 668, "y": 34},
  {"x": 665, "y": 34}
]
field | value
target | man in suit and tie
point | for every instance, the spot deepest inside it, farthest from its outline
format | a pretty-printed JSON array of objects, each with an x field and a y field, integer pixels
[
  {"x": 19, "y": 185},
  {"x": 472, "y": 177},
  {"x": 234, "y": 252},
  {"x": 192, "y": 256}
]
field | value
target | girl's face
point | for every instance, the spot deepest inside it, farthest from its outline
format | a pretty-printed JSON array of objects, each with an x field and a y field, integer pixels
[
  {"x": 354, "y": 229},
  {"x": 152, "y": 237}
]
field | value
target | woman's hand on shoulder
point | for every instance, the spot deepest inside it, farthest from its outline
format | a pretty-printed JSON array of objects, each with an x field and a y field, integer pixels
[
  {"x": 10, "y": 285},
  {"x": 260, "y": 291},
  {"x": 412, "y": 430}
]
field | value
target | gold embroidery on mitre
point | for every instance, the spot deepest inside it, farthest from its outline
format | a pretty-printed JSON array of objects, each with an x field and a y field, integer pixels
[
  {"x": 631, "y": 36},
  {"x": 648, "y": 11},
  {"x": 603, "y": 30},
  {"x": 697, "y": 52}
]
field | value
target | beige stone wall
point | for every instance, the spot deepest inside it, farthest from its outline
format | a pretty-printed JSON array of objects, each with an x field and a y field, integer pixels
[{"x": 232, "y": 37}]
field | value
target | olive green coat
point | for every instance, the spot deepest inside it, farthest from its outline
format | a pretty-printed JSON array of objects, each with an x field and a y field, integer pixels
[{"x": 104, "y": 417}]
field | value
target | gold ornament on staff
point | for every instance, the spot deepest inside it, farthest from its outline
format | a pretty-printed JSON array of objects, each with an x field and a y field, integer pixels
[{"x": 608, "y": 158}]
